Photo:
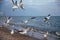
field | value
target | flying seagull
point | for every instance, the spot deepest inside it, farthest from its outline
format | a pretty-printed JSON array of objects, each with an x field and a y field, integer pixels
[
  {"x": 14, "y": 4},
  {"x": 24, "y": 31},
  {"x": 8, "y": 20},
  {"x": 47, "y": 18},
  {"x": 21, "y": 4},
  {"x": 12, "y": 1},
  {"x": 33, "y": 17}
]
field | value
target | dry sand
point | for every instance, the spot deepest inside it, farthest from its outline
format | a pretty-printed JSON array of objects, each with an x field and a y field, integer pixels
[{"x": 5, "y": 35}]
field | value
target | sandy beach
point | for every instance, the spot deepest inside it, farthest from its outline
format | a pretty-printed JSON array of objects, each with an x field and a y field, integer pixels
[{"x": 5, "y": 35}]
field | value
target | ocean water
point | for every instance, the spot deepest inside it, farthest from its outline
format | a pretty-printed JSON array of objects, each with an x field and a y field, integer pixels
[
  {"x": 38, "y": 23},
  {"x": 53, "y": 24}
]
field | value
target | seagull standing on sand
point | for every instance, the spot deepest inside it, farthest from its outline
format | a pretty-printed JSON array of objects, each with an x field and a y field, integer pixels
[
  {"x": 45, "y": 35},
  {"x": 12, "y": 31},
  {"x": 33, "y": 31}
]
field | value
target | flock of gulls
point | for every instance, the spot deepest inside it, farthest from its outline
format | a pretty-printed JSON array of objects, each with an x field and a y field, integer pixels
[
  {"x": 27, "y": 29},
  {"x": 17, "y": 5}
]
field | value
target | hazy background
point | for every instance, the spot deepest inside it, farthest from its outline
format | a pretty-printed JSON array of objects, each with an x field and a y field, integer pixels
[{"x": 31, "y": 8}]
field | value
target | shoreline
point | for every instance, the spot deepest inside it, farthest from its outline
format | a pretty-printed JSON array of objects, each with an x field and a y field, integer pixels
[
  {"x": 36, "y": 35},
  {"x": 5, "y": 35}
]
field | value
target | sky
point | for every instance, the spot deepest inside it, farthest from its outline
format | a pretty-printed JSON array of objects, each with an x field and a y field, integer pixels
[{"x": 31, "y": 8}]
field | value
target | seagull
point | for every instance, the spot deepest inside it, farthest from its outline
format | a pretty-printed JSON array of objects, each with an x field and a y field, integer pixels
[
  {"x": 8, "y": 20},
  {"x": 24, "y": 31},
  {"x": 33, "y": 31},
  {"x": 21, "y": 4},
  {"x": 26, "y": 21},
  {"x": 33, "y": 17},
  {"x": 57, "y": 33},
  {"x": 45, "y": 35},
  {"x": 14, "y": 4},
  {"x": 12, "y": 31},
  {"x": 47, "y": 18}
]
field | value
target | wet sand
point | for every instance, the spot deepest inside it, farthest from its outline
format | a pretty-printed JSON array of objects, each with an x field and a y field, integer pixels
[{"x": 5, "y": 35}]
